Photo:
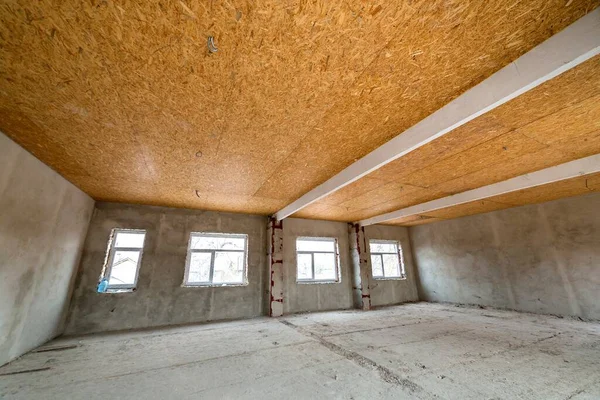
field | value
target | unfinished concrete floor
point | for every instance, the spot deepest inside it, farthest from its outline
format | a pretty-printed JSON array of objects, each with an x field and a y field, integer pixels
[{"x": 418, "y": 351}]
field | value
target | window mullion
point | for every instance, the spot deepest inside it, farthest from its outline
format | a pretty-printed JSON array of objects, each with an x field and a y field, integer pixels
[
  {"x": 137, "y": 267},
  {"x": 212, "y": 266},
  {"x": 128, "y": 248},
  {"x": 336, "y": 265},
  {"x": 111, "y": 260},
  {"x": 312, "y": 265},
  {"x": 382, "y": 265},
  {"x": 401, "y": 261}
]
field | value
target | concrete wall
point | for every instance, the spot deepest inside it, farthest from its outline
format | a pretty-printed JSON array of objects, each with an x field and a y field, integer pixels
[
  {"x": 301, "y": 297},
  {"x": 394, "y": 291},
  {"x": 159, "y": 299},
  {"x": 43, "y": 222},
  {"x": 541, "y": 258}
]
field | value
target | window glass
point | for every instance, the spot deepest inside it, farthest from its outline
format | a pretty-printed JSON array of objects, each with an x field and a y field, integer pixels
[
  {"x": 229, "y": 267},
  {"x": 218, "y": 242},
  {"x": 216, "y": 259},
  {"x": 325, "y": 266},
  {"x": 124, "y": 268},
  {"x": 379, "y": 247},
  {"x": 377, "y": 265},
  {"x": 386, "y": 259},
  {"x": 391, "y": 265},
  {"x": 123, "y": 260},
  {"x": 315, "y": 245},
  {"x": 304, "y": 266},
  {"x": 199, "y": 268},
  {"x": 125, "y": 239},
  {"x": 317, "y": 260}
]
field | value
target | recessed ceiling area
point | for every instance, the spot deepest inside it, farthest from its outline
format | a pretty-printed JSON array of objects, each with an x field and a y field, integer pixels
[{"x": 119, "y": 98}]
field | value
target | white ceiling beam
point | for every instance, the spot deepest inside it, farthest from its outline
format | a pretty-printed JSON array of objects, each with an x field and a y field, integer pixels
[
  {"x": 572, "y": 46},
  {"x": 572, "y": 169}
]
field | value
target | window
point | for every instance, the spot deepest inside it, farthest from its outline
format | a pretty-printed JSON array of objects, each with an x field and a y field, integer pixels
[
  {"x": 387, "y": 261},
  {"x": 317, "y": 260},
  {"x": 216, "y": 259},
  {"x": 123, "y": 258}
]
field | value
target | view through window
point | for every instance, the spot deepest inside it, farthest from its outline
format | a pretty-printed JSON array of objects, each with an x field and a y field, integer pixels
[
  {"x": 123, "y": 261},
  {"x": 216, "y": 259},
  {"x": 317, "y": 260},
  {"x": 386, "y": 259}
]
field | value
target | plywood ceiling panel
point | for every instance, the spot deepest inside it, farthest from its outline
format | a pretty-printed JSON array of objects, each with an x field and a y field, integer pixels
[
  {"x": 553, "y": 191},
  {"x": 567, "y": 188},
  {"x": 344, "y": 212},
  {"x": 498, "y": 150},
  {"x": 462, "y": 210},
  {"x": 124, "y": 100},
  {"x": 560, "y": 124}
]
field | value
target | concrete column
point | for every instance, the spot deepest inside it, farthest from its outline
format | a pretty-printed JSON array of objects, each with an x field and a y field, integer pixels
[
  {"x": 275, "y": 252},
  {"x": 360, "y": 267}
]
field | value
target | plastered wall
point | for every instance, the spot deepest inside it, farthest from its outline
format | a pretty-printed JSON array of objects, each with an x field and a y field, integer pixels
[
  {"x": 542, "y": 258},
  {"x": 43, "y": 223}
]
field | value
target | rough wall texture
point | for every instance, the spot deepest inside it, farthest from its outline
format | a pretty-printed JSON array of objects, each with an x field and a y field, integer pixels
[
  {"x": 159, "y": 299},
  {"x": 43, "y": 222},
  {"x": 393, "y": 291},
  {"x": 301, "y": 297},
  {"x": 542, "y": 258}
]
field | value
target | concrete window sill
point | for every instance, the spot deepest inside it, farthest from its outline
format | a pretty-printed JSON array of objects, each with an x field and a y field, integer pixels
[
  {"x": 113, "y": 291},
  {"x": 402, "y": 278},
  {"x": 218, "y": 285}
]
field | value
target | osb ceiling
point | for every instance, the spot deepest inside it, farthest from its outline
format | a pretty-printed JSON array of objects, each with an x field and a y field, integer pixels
[
  {"x": 554, "y": 123},
  {"x": 124, "y": 100},
  {"x": 567, "y": 188}
]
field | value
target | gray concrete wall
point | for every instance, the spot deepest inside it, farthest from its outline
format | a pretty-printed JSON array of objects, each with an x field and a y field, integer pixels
[
  {"x": 393, "y": 291},
  {"x": 43, "y": 222},
  {"x": 302, "y": 297},
  {"x": 542, "y": 258},
  {"x": 159, "y": 299}
]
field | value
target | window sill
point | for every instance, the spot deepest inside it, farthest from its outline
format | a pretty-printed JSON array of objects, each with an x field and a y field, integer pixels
[
  {"x": 212, "y": 285},
  {"x": 316, "y": 282},
  {"x": 400, "y": 278},
  {"x": 113, "y": 291}
]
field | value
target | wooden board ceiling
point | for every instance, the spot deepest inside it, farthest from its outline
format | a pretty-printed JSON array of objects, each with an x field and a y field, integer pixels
[
  {"x": 124, "y": 100},
  {"x": 567, "y": 188},
  {"x": 554, "y": 123}
]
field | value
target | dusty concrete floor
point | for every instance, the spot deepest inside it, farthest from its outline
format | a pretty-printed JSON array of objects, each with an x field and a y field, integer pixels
[{"x": 418, "y": 351}]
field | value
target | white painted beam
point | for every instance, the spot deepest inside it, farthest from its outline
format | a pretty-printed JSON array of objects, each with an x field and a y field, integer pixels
[
  {"x": 574, "y": 45},
  {"x": 572, "y": 169}
]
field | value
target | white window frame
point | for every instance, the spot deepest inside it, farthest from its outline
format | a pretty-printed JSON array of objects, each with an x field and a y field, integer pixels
[
  {"x": 335, "y": 251},
  {"x": 110, "y": 255},
  {"x": 380, "y": 254},
  {"x": 212, "y": 253}
]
